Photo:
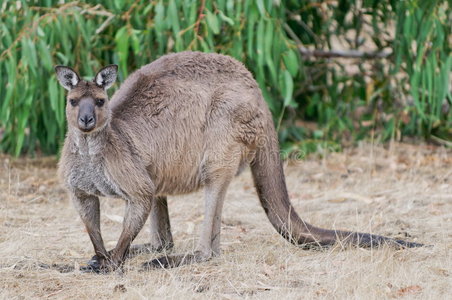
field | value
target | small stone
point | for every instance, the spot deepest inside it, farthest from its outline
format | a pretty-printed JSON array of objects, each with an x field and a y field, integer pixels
[{"x": 119, "y": 288}]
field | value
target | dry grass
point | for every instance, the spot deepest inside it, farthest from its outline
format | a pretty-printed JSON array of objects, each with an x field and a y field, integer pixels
[{"x": 404, "y": 192}]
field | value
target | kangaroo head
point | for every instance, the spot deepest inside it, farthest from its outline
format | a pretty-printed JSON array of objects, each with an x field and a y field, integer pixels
[{"x": 87, "y": 101}]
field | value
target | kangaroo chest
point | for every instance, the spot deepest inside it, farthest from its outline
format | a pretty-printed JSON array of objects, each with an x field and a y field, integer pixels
[{"x": 90, "y": 176}]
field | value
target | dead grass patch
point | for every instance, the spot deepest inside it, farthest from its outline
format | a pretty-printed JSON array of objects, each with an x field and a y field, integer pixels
[{"x": 403, "y": 192}]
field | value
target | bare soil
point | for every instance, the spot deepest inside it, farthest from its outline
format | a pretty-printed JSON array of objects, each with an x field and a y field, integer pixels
[{"x": 402, "y": 190}]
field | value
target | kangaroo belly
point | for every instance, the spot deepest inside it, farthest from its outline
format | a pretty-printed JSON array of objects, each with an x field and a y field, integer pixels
[{"x": 178, "y": 174}]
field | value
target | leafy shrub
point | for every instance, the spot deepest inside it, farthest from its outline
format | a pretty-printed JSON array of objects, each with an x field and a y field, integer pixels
[{"x": 399, "y": 87}]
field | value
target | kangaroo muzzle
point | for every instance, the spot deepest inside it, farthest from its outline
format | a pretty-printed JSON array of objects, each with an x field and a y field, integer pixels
[{"x": 86, "y": 116}]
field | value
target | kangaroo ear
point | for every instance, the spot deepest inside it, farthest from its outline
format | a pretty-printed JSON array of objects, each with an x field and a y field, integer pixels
[
  {"x": 67, "y": 77},
  {"x": 107, "y": 76}
]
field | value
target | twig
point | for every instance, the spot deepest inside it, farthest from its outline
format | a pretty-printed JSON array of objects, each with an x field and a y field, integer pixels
[
  {"x": 342, "y": 53},
  {"x": 126, "y": 15},
  {"x": 291, "y": 33},
  {"x": 94, "y": 11},
  {"x": 200, "y": 16},
  {"x": 297, "y": 19},
  {"x": 441, "y": 141},
  {"x": 183, "y": 31},
  {"x": 333, "y": 53},
  {"x": 104, "y": 24},
  {"x": 103, "y": 13}
]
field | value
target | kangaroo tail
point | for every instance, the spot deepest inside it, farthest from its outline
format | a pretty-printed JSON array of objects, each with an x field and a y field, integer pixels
[{"x": 271, "y": 187}]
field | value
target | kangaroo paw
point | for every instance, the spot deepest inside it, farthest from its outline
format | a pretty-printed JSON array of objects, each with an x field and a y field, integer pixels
[
  {"x": 94, "y": 265},
  {"x": 99, "y": 265}
]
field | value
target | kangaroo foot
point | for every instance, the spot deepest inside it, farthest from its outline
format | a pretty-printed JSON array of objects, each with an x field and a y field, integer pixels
[
  {"x": 101, "y": 265},
  {"x": 172, "y": 261},
  {"x": 94, "y": 265}
]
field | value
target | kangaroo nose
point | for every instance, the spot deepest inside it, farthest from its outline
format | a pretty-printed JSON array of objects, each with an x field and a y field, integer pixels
[{"x": 86, "y": 120}]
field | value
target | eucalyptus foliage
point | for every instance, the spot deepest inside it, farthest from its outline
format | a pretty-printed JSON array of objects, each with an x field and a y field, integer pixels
[{"x": 404, "y": 92}]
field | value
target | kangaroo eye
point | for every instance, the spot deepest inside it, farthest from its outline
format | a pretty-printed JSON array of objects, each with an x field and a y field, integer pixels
[
  {"x": 100, "y": 102},
  {"x": 73, "y": 102}
]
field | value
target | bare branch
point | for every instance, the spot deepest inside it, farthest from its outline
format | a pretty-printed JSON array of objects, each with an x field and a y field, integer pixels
[
  {"x": 333, "y": 53},
  {"x": 342, "y": 53},
  {"x": 104, "y": 24}
]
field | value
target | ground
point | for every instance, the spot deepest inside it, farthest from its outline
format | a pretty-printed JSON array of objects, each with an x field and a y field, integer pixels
[{"x": 399, "y": 190}]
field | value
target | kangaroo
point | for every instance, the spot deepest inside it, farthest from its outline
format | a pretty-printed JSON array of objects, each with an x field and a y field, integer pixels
[{"x": 185, "y": 121}]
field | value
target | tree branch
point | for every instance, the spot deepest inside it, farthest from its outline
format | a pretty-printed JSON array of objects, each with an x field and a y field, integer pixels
[
  {"x": 333, "y": 53},
  {"x": 342, "y": 53},
  {"x": 201, "y": 15}
]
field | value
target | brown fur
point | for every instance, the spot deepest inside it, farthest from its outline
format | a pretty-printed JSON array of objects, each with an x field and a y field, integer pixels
[{"x": 185, "y": 121}]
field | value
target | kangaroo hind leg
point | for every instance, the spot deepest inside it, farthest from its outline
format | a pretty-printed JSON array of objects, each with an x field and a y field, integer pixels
[
  {"x": 161, "y": 237},
  {"x": 209, "y": 242}
]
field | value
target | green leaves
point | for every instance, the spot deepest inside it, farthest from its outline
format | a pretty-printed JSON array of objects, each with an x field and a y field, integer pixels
[
  {"x": 226, "y": 19},
  {"x": 213, "y": 23},
  {"x": 122, "y": 49},
  {"x": 291, "y": 62},
  {"x": 288, "y": 88},
  {"x": 421, "y": 44}
]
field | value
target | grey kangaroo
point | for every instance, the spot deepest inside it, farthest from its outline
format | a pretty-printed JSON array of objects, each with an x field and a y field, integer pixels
[{"x": 187, "y": 120}]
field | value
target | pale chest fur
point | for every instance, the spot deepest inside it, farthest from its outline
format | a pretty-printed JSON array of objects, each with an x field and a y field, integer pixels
[
  {"x": 87, "y": 173},
  {"x": 90, "y": 177}
]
